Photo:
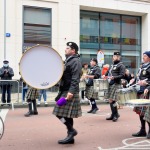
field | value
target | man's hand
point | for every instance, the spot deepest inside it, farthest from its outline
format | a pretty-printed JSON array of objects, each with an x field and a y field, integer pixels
[
  {"x": 145, "y": 91},
  {"x": 69, "y": 95},
  {"x": 142, "y": 82}
]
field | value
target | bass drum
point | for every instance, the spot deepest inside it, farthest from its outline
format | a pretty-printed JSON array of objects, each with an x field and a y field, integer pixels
[{"x": 41, "y": 67}]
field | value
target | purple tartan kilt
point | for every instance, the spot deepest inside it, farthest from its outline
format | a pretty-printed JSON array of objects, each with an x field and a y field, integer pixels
[{"x": 71, "y": 110}]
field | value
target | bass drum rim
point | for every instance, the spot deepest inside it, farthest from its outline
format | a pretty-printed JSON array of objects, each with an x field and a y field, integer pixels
[{"x": 22, "y": 76}]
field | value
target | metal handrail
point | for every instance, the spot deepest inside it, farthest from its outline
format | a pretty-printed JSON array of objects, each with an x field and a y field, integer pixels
[{"x": 13, "y": 80}]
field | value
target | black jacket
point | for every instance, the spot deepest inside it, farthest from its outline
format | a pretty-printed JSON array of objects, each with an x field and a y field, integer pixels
[
  {"x": 117, "y": 70},
  {"x": 6, "y": 76},
  {"x": 144, "y": 73},
  {"x": 96, "y": 72},
  {"x": 71, "y": 76}
]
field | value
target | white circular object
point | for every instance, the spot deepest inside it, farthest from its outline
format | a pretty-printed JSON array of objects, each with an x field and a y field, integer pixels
[{"x": 41, "y": 67}]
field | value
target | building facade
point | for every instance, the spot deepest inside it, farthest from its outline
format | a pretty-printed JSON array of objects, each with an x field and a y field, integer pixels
[{"x": 111, "y": 25}]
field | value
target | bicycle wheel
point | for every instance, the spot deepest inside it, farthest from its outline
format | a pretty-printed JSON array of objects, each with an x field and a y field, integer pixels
[{"x": 1, "y": 127}]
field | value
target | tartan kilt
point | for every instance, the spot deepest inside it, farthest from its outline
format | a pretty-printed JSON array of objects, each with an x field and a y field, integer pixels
[
  {"x": 72, "y": 109},
  {"x": 112, "y": 94},
  {"x": 90, "y": 93},
  {"x": 147, "y": 115},
  {"x": 32, "y": 94},
  {"x": 140, "y": 110}
]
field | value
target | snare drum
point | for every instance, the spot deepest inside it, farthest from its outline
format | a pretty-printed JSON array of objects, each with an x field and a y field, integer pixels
[
  {"x": 138, "y": 102},
  {"x": 100, "y": 85},
  {"x": 82, "y": 85},
  {"x": 123, "y": 95}
]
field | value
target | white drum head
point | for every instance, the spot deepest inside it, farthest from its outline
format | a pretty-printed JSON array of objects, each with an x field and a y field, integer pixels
[{"x": 41, "y": 67}]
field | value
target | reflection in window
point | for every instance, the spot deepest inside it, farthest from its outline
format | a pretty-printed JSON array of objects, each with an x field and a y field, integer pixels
[
  {"x": 110, "y": 33},
  {"x": 37, "y": 26}
]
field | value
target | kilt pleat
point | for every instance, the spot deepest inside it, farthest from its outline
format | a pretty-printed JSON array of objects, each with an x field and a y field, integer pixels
[
  {"x": 147, "y": 115},
  {"x": 72, "y": 109},
  {"x": 90, "y": 93},
  {"x": 32, "y": 94},
  {"x": 112, "y": 91}
]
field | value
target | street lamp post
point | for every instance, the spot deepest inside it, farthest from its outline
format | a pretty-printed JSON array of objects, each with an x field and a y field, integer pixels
[{"x": 4, "y": 29}]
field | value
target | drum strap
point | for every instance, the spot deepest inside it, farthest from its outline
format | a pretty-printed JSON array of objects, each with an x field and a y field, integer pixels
[{"x": 144, "y": 67}]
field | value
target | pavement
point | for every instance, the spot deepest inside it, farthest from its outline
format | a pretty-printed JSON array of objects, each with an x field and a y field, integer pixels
[{"x": 41, "y": 132}]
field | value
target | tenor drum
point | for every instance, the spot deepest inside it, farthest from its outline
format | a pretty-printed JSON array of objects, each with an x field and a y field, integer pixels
[
  {"x": 138, "y": 102},
  {"x": 41, "y": 67},
  {"x": 123, "y": 95},
  {"x": 100, "y": 85}
]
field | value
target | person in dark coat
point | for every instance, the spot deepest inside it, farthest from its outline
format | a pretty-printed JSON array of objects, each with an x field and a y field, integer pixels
[
  {"x": 143, "y": 79},
  {"x": 69, "y": 88},
  {"x": 90, "y": 94},
  {"x": 6, "y": 73},
  {"x": 115, "y": 74}
]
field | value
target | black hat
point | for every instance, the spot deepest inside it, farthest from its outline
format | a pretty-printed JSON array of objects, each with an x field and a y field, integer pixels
[
  {"x": 116, "y": 53},
  {"x": 94, "y": 59},
  {"x": 73, "y": 46},
  {"x": 5, "y": 61},
  {"x": 147, "y": 53}
]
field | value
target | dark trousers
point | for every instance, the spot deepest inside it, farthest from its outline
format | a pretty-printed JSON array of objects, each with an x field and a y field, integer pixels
[{"x": 6, "y": 88}]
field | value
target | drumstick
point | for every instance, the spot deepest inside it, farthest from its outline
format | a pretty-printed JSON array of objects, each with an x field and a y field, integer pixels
[{"x": 128, "y": 85}]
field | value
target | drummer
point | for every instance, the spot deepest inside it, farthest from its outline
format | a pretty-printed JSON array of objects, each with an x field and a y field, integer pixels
[
  {"x": 147, "y": 113},
  {"x": 144, "y": 82},
  {"x": 69, "y": 88},
  {"x": 115, "y": 74},
  {"x": 94, "y": 73}
]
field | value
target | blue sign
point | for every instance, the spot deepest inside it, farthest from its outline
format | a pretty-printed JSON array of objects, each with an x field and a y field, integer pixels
[{"x": 8, "y": 34}]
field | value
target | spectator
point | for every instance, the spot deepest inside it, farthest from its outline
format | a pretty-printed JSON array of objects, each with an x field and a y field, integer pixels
[
  {"x": 24, "y": 90},
  {"x": 42, "y": 92},
  {"x": 6, "y": 73}
]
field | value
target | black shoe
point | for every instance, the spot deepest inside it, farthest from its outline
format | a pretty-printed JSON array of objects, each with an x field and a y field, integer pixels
[
  {"x": 148, "y": 136},
  {"x": 68, "y": 142},
  {"x": 110, "y": 118},
  {"x": 115, "y": 119},
  {"x": 28, "y": 114},
  {"x": 90, "y": 111},
  {"x": 95, "y": 110},
  {"x": 141, "y": 133},
  {"x": 70, "y": 138},
  {"x": 35, "y": 113}
]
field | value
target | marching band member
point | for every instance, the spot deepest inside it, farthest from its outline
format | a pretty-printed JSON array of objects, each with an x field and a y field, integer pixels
[
  {"x": 69, "y": 89},
  {"x": 147, "y": 113},
  {"x": 144, "y": 81},
  {"x": 32, "y": 95},
  {"x": 115, "y": 74},
  {"x": 94, "y": 73}
]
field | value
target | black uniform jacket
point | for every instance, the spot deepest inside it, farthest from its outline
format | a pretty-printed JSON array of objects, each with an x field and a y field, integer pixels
[
  {"x": 143, "y": 74},
  {"x": 71, "y": 76},
  {"x": 117, "y": 70},
  {"x": 93, "y": 71}
]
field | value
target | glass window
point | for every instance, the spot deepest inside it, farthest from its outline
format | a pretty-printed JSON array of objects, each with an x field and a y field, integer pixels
[
  {"x": 89, "y": 30},
  {"x": 37, "y": 26},
  {"x": 131, "y": 41},
  {"x": 109, "y": 31}
]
